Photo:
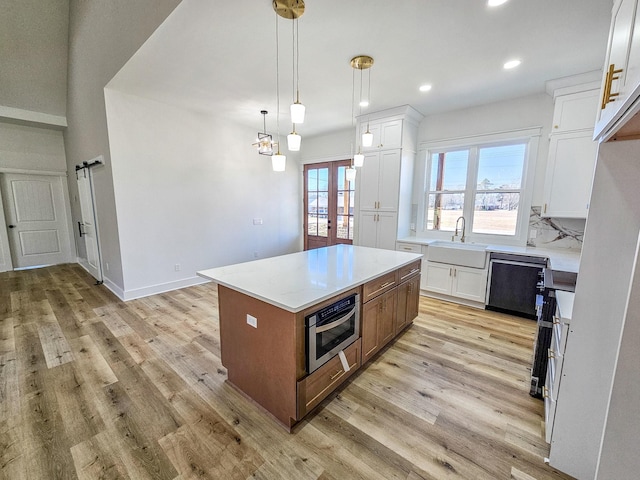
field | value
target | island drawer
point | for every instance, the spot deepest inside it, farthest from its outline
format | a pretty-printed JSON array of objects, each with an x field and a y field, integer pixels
[
  {"x": 378, "y": 286},
  {"x": 408, "y": 271},
  {"x": 316, "y": 387}
]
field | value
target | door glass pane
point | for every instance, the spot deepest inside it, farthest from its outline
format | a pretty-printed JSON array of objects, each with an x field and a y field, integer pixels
[
  {"x": 443, "y": 210},
  {"x": 449, "y": 171},
  {"x": 317, "y": 201},
  {"x": 345, "y": 197}
]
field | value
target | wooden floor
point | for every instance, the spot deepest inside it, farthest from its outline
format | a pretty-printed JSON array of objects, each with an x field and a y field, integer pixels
[{"x": 91, "y": 387}]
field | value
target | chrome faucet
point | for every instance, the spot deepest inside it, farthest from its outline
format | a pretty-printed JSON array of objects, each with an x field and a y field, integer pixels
[{"x": 453, "y": 238}]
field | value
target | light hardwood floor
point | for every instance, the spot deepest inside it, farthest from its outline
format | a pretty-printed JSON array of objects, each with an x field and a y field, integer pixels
[{"x": 91, "y": 387}]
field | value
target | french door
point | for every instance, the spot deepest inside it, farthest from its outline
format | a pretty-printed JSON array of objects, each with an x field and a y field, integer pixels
[{"x": 328, "y": 204}]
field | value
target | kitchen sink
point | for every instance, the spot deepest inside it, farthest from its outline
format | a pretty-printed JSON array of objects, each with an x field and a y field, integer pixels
[{"x": 463, "y": 254}]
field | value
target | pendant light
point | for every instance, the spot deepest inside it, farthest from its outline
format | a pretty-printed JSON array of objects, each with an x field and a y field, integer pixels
[
  {"x": 297, "y": 109},
  {"x": 350, "y": 174},
  {"x": 264, "y": 141},
  {"x": 292, "y": 10},
  {"x": 278, "y": 160},
  {"x": 364, "y": 62}
]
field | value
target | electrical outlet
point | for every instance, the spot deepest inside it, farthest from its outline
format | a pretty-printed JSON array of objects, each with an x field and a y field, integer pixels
[
  {"x": 533, "y": 233},
  {"x": 257, "y": 221},
  {"x": 253, "y": 321},
  {"x": 177, "y": 267}
]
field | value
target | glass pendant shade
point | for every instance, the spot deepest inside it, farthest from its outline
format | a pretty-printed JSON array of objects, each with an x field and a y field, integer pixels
[
  {"x": 358, "y": 160},
  {"x": 278, "y": 162},
  {"x": 293, "y": 141},
  {"x": 350, "y": 174},
  {"x": 367, "y": 138},
  {"x": 297, "y": 112}
]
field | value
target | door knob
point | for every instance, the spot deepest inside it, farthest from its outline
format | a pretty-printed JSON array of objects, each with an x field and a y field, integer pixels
[{"x": 12, "y": 226}]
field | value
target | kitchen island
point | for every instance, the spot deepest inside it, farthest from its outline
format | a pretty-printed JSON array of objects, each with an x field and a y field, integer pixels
[{"x": 262, "y": 309}]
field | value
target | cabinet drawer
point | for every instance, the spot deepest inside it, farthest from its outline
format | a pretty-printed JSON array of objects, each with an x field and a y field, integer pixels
[
  {"x": 317, "y": 386},
  {"x": 408, "y": 271},
  {"x": 379, "y": 285},
  {"x": 408, "y": 247}
]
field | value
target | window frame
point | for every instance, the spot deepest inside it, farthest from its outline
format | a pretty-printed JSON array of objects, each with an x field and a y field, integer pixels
[{"x": 529, "y": 137}]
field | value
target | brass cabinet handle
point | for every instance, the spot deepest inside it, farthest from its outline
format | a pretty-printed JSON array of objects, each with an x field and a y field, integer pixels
[
  {"x": 335, "y": 375},
  {"x": 551, "y": 353},
  {"x": 607, "y": 96},
  {"x": 545, "y": 392}
]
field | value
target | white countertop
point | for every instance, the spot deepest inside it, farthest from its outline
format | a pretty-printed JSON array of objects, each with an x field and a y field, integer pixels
[
  {"x": 300, "y": 280},
  {"x": 565, "y": 304},
  {"x": 559, "y": 259}
]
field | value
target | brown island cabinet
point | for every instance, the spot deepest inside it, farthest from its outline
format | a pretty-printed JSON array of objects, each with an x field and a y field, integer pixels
[{"x": 267, "y": 362}]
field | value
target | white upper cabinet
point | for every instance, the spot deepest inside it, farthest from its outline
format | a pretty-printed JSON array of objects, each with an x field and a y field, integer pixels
[
  {"x": 621, "y": 71},
  {"x": 379, "y": 181},
  {"x": 575, "y": 112},
  {"x": 387, "y": 134},
  {"x": 572, "y": 156}
]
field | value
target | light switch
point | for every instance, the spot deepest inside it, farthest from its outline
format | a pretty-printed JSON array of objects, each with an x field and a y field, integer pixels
[
  {"x": 257, "y": 221},
  {"x": 253, "y": 321}
]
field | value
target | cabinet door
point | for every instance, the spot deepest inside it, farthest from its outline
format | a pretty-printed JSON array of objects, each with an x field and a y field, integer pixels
[
  {"x": 387, "y": 319},
  {"x": 387, "y": 230},
  {"x": 576, "y": 111},
  {"x": 572, "y": 157},
  {"x": 469, "y": 283},
  {"x": 388, "y": 181},
  {"x": 439, "y": 277},
  {"x": 368, "y": 181},
  {"x": 368, "y": 229},
  {"x": 618, "y": 55},
  {"x": 371, "y": 313},
  {"x": 408, "y": 300},
  {"x": 390, "y": 134}
]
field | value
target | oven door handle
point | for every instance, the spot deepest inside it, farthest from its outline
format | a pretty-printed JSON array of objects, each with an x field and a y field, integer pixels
[{"x": 340, "y": 321}]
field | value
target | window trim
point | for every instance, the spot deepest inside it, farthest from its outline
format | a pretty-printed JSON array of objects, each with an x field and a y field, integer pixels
[{"x": 528, "y": 136}]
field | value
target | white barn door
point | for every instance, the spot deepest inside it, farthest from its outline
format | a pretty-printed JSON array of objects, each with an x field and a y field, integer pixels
[
  {"x": 36, "y": 219},
  {"x": 88, "y": 228}
]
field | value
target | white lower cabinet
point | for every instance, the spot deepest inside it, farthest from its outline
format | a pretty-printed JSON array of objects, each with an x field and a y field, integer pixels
[
  {"x": 555, "y": 361},
  {"x": 378, "y": 229},
  {"x": 452, "y": 280}
]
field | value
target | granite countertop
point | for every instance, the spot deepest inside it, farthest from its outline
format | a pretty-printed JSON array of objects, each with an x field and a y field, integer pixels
[
  {"x": 300, "y": 280},
  {"x": 559, "y": 259}
]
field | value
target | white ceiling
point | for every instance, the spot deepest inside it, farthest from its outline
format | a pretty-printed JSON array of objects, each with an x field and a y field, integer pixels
[{"x": 220, "y": 56}]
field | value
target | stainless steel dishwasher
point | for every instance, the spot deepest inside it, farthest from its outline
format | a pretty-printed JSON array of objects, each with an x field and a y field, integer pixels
[{"x": 515, "y": 283}]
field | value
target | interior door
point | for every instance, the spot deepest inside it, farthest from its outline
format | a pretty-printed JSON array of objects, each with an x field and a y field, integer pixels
[
  {"x": 5, "y": 252},
  {"x": 328, "y": 203},
  {"x": 87, "y": 226},
  {"x": 36, "y": 219}
]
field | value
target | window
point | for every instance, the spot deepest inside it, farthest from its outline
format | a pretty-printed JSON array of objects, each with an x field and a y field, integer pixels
[{"x": 484, "y": 183}]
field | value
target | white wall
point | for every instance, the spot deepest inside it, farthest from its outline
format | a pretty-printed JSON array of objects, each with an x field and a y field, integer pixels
[
  {"x": 524, "y": 112},
  {"x": 102, "y": 37},
  {"x": 332, "y": 146},
  {"x": 31, "y": 148},
  {"x": 187, "y": 188}
]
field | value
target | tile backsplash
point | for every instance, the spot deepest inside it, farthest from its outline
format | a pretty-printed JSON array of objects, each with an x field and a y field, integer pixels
[{"x": 566, "y": 233}]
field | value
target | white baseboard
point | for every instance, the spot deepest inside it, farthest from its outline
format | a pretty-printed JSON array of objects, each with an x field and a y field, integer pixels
[
  {"x": 117, "y": 291},
  {"x": 160, "y": 288},
  {"x": 449, "y": 298}
]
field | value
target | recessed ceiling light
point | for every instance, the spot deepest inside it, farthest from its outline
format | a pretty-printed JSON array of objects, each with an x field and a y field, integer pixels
[
  {"x": 495, "y": 3},
  {"x": 511, "y": 64},
  {"x": 364, "y": 103},
  {"x": 425, "y": 88}
]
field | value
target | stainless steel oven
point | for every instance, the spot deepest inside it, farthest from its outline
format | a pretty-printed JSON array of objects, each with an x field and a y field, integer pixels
[{"x": 331, "y": 329}]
